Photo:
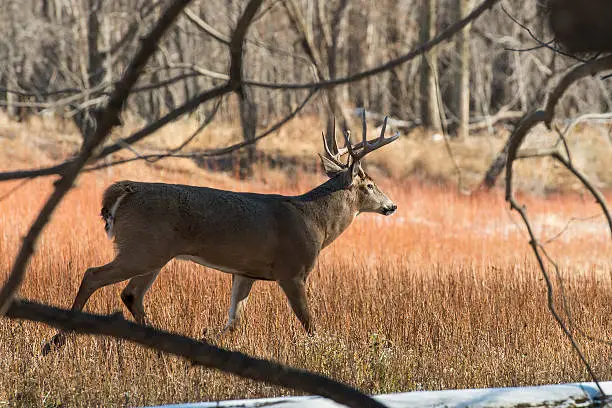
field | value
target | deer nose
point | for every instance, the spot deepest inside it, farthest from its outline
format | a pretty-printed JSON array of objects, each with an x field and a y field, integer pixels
[{"x": 389, "y": 210}]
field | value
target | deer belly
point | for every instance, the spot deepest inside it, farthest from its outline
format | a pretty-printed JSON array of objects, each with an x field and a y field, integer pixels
[
  {"x": 204, "y": 262},
  {"x": 258, "y": 273}
]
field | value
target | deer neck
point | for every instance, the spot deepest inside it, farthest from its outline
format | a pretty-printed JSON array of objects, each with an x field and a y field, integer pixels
[{"x": 331, "y": 207}]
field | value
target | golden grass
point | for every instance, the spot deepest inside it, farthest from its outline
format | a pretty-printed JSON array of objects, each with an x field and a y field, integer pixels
[{"x": 444, "y": 294}]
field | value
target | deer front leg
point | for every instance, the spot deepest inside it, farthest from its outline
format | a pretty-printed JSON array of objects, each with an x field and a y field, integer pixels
[
  {"x": 295, "y": 290},
  {"x": 241, "y": 287}
]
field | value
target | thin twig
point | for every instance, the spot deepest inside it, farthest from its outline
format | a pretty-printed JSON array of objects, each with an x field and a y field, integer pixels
[
  {"x": 599, "y": 198},
  {"x": 15, "y": 188},
  {"x": 540, "y": 42},
  {"x": 567, "y": 226},
  {"x": 444, "y": 128}
]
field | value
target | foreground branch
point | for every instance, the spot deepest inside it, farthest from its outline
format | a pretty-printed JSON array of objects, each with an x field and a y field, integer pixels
[{"x": 198, "y": 352}]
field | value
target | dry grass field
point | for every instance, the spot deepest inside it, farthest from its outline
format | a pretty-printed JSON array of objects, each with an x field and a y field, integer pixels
[{"x": 443, "y": 294}]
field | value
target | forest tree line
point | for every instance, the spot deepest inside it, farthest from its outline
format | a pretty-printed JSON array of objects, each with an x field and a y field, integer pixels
[{"x": 62, "y": 56}]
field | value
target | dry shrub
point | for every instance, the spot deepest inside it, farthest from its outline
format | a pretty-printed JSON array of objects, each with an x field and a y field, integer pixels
[{"x": 444, "y": 294}]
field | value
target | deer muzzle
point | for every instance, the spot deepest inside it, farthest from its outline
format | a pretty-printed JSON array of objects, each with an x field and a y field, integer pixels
[{"x": 389, "y": 209}]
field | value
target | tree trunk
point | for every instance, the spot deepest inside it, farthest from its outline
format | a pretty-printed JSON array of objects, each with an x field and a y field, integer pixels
[
  {"x": 248, "y": 121},
  {"x": 462, "y": 93},
  {"x": 93, "y": 68},
  {"x": 430, "y": 113}
]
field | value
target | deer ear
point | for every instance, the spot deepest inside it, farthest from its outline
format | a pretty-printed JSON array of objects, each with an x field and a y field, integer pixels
[{"x": 331, "y": 168}]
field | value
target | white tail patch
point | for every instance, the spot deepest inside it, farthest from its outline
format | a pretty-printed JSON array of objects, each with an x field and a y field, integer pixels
[{"x": 110, "y": 221}]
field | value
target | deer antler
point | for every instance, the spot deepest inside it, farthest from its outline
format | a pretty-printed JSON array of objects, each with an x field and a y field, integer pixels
[
  {"x": 366, "y": 146},
  {"x": 333, "y": 152}
]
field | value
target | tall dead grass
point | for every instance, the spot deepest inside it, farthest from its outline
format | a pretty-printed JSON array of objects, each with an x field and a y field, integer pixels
[{"x": 444, "y": 294}]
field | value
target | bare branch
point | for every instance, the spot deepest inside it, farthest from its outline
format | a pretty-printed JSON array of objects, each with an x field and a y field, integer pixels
[
  {"x": 200, "y": 70},
  {"x": 444, "y": 129},
  {"x": 527, "y": 123},
  {"x": 567, "y": 226},
  {"x": 207, "y": 28},
  {"x": 420, "y": 50},
  {"x": 12, "y": 190},
  {"x": 536, "y": 39},
  {"x": 78, "y": 93},
  {"x": 587, "y": 69},
  {"x": 500, "y": 116},
  {"x": 198, "y": 352},
  {"x": 585, "y": 182},
  {"x": 212, "y": 152},
  {"x": 237, "y": 43},
  {"x": 549, "y": 290},
  {"x": 531, "y": 153}
]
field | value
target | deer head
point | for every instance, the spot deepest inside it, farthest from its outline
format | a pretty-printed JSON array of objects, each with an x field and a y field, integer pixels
[{"x": 351, "y": 175}]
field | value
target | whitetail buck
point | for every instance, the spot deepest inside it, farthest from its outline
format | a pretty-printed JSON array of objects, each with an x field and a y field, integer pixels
[{"x": 252, "y": 236}]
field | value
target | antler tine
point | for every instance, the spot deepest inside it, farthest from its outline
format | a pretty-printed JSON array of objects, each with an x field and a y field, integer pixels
[
  {"x": 340, "y": 151},
  {"x": 348, "y": 146},
  {"x": 382, "y": 131},
  {"x": 329, "y": 153},
  {"x": 334, "y": 153},
  {"x": 367, "y": 147}
]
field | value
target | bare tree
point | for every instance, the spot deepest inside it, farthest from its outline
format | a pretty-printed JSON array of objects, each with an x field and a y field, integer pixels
[
  {"x": 462, "y": 92},
  {"x": 430, "y": 114}
]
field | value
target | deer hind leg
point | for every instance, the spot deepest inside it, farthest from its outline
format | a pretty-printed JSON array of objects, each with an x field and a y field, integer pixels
[
  {"x": 116, "y": 271},
  {"x": 133, "y": 294},
  {"x": 241, "y": 287},
  {"x": 295, "y": 290}
]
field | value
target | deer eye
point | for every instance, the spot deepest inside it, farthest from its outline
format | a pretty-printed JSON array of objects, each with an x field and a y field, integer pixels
[{"x": 370, "y": 186}]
